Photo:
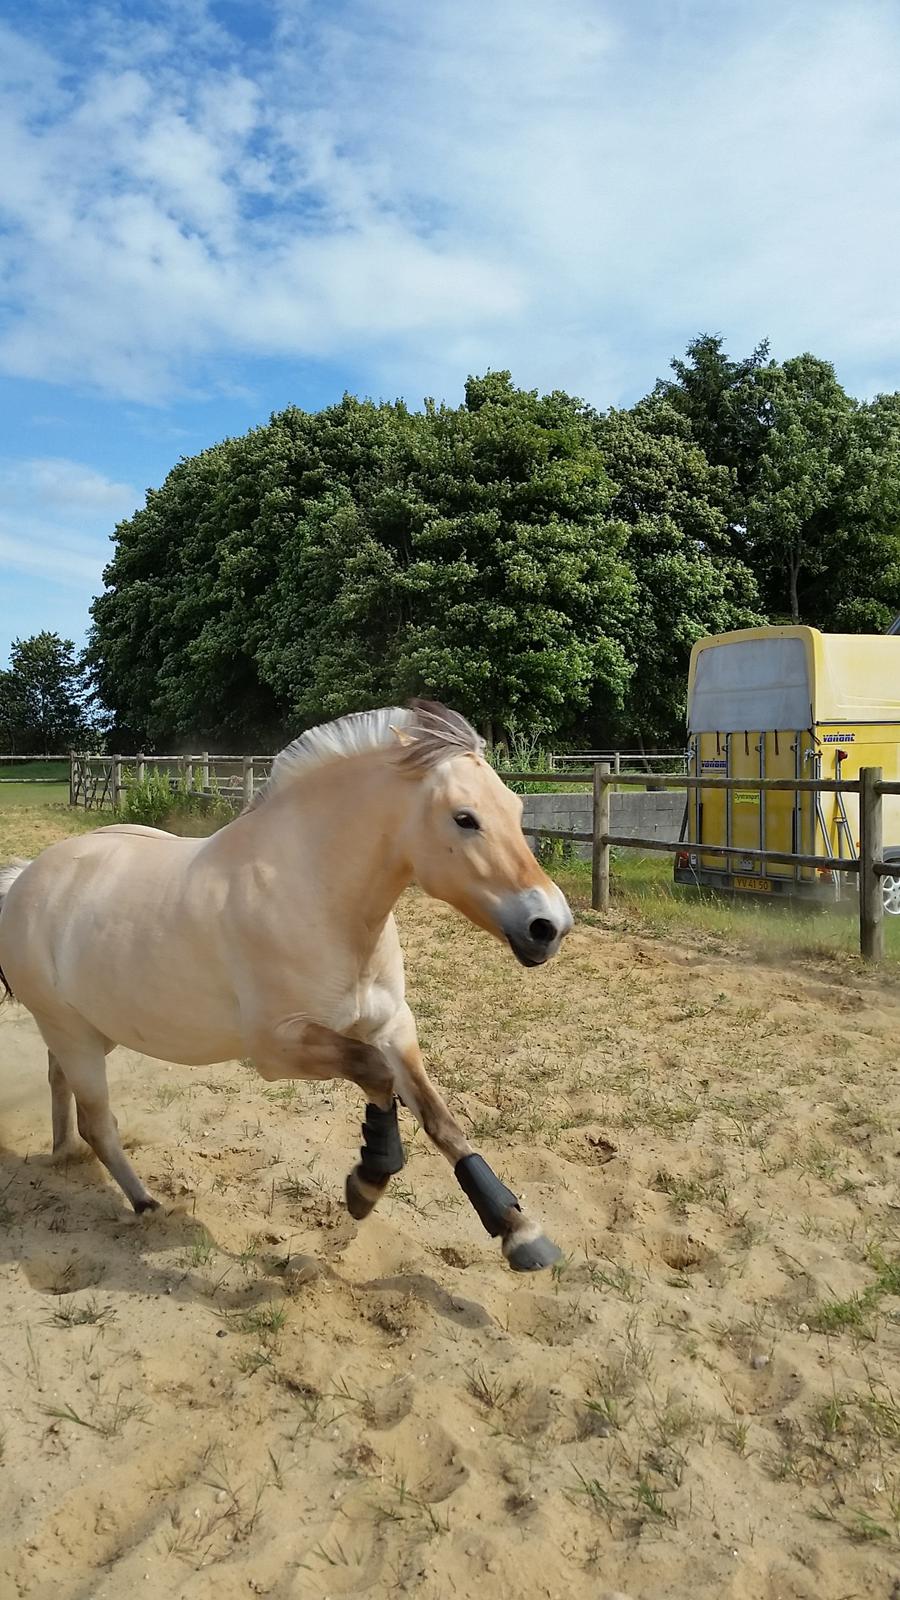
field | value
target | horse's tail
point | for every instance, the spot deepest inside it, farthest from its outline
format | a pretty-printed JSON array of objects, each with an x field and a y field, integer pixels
[{"x": 8, "y": 876}]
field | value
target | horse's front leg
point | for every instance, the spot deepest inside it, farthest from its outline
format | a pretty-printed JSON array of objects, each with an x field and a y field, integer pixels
[
  {"x": 525, "y": 1246},
  {"x": 301, "y": 1049}
]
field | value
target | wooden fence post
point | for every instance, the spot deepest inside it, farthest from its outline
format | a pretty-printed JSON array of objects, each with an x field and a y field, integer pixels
[
  {"x": 871, "y": 903},
  {"x": 72, "y": 759},
  {"x": 116, "y": 781},
  {"x": 140, "y": 766},
  {"x": 599, "y": 848},
  {"x": 204, "y": 771},
  {"x": 248, "y": 779}
]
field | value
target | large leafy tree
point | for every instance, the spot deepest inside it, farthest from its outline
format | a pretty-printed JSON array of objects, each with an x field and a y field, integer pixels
[
  {"x": 364, "y": 553},
  {"x": 857, "y": 589},
  {"x": 481, "y": 563},
  {"x": 533, "y": 562},
  {"x": 172, "y": 645},
  {"x": 813, "y": 508},
  {"x": 791, "y": 513},
  {"x": 724, "y": 407},
  {"x": 13, "y": 737}
]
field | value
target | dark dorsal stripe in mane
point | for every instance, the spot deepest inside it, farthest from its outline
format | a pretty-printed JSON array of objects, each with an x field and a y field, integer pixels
[{"x": 419, "y": 736}]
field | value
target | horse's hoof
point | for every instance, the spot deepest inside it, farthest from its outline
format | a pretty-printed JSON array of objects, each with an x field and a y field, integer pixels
[
  {"x": 533, "y": 1255},
  {"x": 361, "y": 1195},
  {"x": 149, "y": 1204}
]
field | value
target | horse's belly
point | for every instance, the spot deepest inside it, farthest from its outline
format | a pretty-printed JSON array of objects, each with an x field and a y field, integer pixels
[
  {"x": 189, "y": 1046},
  {"x": 177, "y": 1024}
]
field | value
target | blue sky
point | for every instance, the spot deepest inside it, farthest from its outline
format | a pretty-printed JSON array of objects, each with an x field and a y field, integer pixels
[{"x": 208, "y": 211}]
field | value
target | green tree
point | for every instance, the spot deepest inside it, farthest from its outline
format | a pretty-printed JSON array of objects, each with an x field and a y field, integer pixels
[
  {"x": 363, "y": 553},
  {"x": 535, "y": 563},
  {"x": 814, "y": 507},
  {"x": 480, "y": 563},
  {"x": 688, "y": 581},
  {"x": 13, "y": 739},
  {"x": 42, "y": 697},
  {"x": 858, "y": 587},
  {"x": 791, "y": 514},
  {"x": 172, "y": 643},
  {"x": 725, "y": 408}
]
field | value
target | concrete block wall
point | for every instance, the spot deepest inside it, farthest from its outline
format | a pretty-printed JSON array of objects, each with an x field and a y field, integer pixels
[{"x": 654, "y": 815}]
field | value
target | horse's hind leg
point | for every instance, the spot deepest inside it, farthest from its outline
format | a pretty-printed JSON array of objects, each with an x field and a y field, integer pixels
[
  {"x": 62, "y": 1108},
  {"x": 82, "y": 1064}
]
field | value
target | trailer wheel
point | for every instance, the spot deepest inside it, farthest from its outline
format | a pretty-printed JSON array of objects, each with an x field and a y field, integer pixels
[{"x": 891, "y": 885}]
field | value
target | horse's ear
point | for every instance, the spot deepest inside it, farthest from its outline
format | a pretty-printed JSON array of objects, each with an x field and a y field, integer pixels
[{"x": 402, "y": 736}]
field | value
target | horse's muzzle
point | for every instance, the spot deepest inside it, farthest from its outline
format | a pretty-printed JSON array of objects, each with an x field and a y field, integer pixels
[{"x": 534, "y": 925}]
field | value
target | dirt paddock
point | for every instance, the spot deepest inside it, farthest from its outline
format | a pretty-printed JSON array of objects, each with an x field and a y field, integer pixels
[{"x": 247, "y": 1394}]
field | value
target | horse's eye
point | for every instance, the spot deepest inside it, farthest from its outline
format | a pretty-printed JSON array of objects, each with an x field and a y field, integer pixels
[{"x": 465, "y": 819}]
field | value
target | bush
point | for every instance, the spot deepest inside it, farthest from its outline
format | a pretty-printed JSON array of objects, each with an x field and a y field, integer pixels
[
  {"x": 147, "y": 801},
  {"x": 553, "y": 854},
  {"x": 524, "y": 753},
  {"x": 155, "y": 802}
]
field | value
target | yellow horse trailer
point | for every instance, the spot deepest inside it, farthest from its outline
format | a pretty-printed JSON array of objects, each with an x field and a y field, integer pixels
[{"x": 789, "y": 703}]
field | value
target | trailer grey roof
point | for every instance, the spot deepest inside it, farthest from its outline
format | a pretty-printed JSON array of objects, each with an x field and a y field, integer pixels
[
  {"x": 751, "y": 683},
  {"x": 790, "y": 678}
]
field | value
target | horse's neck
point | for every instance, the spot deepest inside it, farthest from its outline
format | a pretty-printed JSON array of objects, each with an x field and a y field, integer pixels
[{"x": 340, "y": 829}]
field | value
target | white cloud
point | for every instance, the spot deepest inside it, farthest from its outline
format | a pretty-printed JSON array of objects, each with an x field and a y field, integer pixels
[
  {"x": 429, "y": 189},
  {"x": 56, "y": 517}
]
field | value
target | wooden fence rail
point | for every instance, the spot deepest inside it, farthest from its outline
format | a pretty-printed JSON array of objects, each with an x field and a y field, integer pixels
[
  {"x": 97, "y": 781},
  {"x": 870, "y": 865},
  {"x": 21, "y": 761}
]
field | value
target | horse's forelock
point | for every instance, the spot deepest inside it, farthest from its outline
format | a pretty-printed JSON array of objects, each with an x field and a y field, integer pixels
[{"x": 435, "y": 734}]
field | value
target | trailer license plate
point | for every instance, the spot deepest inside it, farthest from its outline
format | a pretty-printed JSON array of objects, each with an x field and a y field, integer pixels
[{"x": 755, "y": 885}]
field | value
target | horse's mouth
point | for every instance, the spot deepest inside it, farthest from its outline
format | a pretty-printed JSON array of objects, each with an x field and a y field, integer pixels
[{"x": 524, "y": 956}]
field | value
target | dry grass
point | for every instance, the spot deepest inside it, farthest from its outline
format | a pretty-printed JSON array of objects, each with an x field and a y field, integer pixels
[
  {"x": 645, "y": 896},
  {"x": 27, "y": 829}
]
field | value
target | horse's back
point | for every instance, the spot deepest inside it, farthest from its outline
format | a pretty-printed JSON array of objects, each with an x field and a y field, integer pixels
[
  {"x": 90, "y": 901},
  {"x": 136, "y": 828}
]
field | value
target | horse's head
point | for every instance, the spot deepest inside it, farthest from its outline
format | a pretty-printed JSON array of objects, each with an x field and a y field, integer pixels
[{"x": 466, "y": 847}]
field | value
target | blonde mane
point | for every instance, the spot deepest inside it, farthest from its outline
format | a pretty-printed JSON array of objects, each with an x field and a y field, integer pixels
[{"x": 419, "y": 737}]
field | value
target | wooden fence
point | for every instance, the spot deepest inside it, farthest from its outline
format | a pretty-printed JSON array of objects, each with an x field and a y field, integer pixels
[
  {"x": 869, "y": 866},
  {"x": 21, "y": 761},
  {"x": 633, "y": 761},
  {"x": 98, "y": 781}
]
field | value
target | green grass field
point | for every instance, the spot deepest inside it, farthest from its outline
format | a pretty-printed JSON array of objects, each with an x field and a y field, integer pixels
[
  {"x": 28, "y": 825},
  {"x": 53, "y": 767},
  {"x": 19, "y": 786},
  {"x": 23, "y": 795}
]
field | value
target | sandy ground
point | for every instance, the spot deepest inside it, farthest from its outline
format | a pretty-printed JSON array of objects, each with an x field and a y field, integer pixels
[{"x": 247, "y": 1394}]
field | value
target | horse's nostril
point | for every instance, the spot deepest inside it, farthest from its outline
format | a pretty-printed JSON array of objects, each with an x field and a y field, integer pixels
[{"x": 542, "y": 931}]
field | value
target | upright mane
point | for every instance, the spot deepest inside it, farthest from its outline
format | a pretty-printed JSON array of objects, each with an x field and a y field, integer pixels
[{"x": 429, "y": 733}]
